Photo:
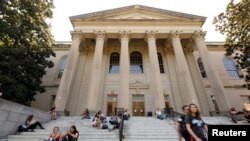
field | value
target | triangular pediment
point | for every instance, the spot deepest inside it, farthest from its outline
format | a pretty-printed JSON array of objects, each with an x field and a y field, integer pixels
[
  {"x": 137, "y": 12},
  {"x": 142, "y": 15},
  {"x": 138, "y": 84}
]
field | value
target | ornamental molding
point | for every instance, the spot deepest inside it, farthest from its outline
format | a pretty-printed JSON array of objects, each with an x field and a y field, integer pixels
[
  {"x": 138, "y": 84},
  {"x": 151, "y": 34},
  {"x": 124, "y": 35},
  {"x": 169, "y": 50},
  {"x": 76, "y": 35},
  {"x": 100, "y": 34},
  {"x": 175, "y": 34},
  {"x": 199, "y": 35}
]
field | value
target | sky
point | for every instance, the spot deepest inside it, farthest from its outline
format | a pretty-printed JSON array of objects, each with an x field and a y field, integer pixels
[{"x": 61, "y": 26}]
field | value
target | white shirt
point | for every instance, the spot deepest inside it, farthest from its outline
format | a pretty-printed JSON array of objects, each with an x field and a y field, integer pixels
[{"x": 158, "y": 113}]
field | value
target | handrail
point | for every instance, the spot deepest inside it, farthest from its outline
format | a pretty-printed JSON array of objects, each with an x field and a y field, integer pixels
[{"x": 121, "y": 127}]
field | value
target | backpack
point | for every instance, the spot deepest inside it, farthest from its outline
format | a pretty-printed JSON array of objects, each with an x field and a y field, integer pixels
[{"x": 104, "y": 126}]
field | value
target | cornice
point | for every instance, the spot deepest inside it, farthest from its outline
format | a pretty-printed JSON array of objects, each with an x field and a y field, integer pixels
[{"x": 137, "y": 22}]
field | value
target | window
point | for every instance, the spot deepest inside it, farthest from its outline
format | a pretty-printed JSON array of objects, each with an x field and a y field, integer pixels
[
  {"x": 230, "y": 68},
  {"x": 136, "y": 62},
  {"x": 114, "y": 65},
  {"x": 202, "y": 69},
  {"x": 160, "y": 63},
  {"x": 62, "y": 65}
]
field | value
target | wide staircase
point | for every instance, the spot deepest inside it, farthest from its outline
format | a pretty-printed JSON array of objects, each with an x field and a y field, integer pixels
[
  {"x": 149, "y": 129},
  {"x": 87, "y": 133},
  {"x": 135, "y": 129}
]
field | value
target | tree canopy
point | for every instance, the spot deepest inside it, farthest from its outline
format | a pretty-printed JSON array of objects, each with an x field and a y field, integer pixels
[
  {"x": 25, "y": 47},
  {"x": 235, "y": 24}
]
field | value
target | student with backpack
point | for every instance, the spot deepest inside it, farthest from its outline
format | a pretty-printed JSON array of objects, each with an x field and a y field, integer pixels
[{"x": 181, "y": 125}]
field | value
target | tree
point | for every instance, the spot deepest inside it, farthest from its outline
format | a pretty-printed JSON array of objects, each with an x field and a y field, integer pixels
[
  {"x": 25, "y": 48},
  {"x": 235, "y": 24}
]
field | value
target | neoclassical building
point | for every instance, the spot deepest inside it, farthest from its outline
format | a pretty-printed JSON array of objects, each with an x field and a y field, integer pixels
[{"x": 141, "y": 58}]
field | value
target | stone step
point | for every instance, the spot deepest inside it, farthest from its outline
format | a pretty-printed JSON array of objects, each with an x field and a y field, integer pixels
[
  {"x": 82, "y": 133},
  {"x": 42, "y": 139},
  {"x": 150, "y": 139},
  {"x": 80, "y": 137},
  {"x": 139, "y": 129}
]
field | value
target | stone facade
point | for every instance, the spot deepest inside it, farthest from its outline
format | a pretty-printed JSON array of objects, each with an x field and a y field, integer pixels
[
  {"x": 164, "y": 38},
  {"x": 13, "y": 114}
]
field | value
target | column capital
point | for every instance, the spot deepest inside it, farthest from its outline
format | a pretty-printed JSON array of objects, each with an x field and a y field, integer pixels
[
  {"x": 175, "y": 34},
  {"x": 100, "y": 34},
  {"x": 124, "y": 35},
  {"x": 169, "y": 50},
  {"x": 188, "y": 50},
  {"x": 76, "y": 35},
  {"x": 199, "y": 35},
  {"x": 151, "y": 35}
]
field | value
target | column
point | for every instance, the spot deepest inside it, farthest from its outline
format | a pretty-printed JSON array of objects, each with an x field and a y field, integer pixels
[
  {"x": 123, "y": 96},
  {"x": 68, "y": 73},
  {"x": 198, "y": 83},
  {"x": 155, "y": 70},
  {"x": 93, "y": 91},
  {"x": 176, "y": 94},
  {"x": 183, "y": 73},
  {"x": 213, "y": 77}
]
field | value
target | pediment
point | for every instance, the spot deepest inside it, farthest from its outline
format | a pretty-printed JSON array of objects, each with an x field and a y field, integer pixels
[
  {"x": 137, "y": 12},
  {"x": 138, "y": 84},
  {"x": 142, "y": 15}
]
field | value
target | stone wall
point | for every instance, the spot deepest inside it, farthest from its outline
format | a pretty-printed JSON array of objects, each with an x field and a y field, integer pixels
[{"x": 13, "y": 114}]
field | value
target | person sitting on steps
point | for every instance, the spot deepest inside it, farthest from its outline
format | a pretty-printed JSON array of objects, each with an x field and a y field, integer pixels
[
  {"x": 158, "y": 114},
  {"x": 85, "y": 114},
  {"x": 55, "y": 135},
  {"x": 32, "y": 123},
  {"x": 233, "y": 111},
  {"x": 71, "y": 135}
]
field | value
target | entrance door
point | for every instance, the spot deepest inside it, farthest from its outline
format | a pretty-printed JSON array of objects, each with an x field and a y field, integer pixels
[
  {"x": 111, "y": 108},
  {"x": 138, "y": 109},
  {"x": 167, "y": 101}
]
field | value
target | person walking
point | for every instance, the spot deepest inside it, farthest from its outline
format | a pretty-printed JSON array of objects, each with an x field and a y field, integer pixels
[
  {"x": 181, "y": 125},
  {"x": 195, "y": 125}
]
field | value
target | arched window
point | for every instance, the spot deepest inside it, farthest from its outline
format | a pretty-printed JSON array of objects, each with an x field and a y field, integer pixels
[
  {"x": 160, "y": 63},
  {"x": 136, "y": 62},
  {"x": 230, "y": 68},
  {"x": 114, "y": 64},
  {"x": 62, "y": 64},
  {"x": 202, "y": 69}
]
